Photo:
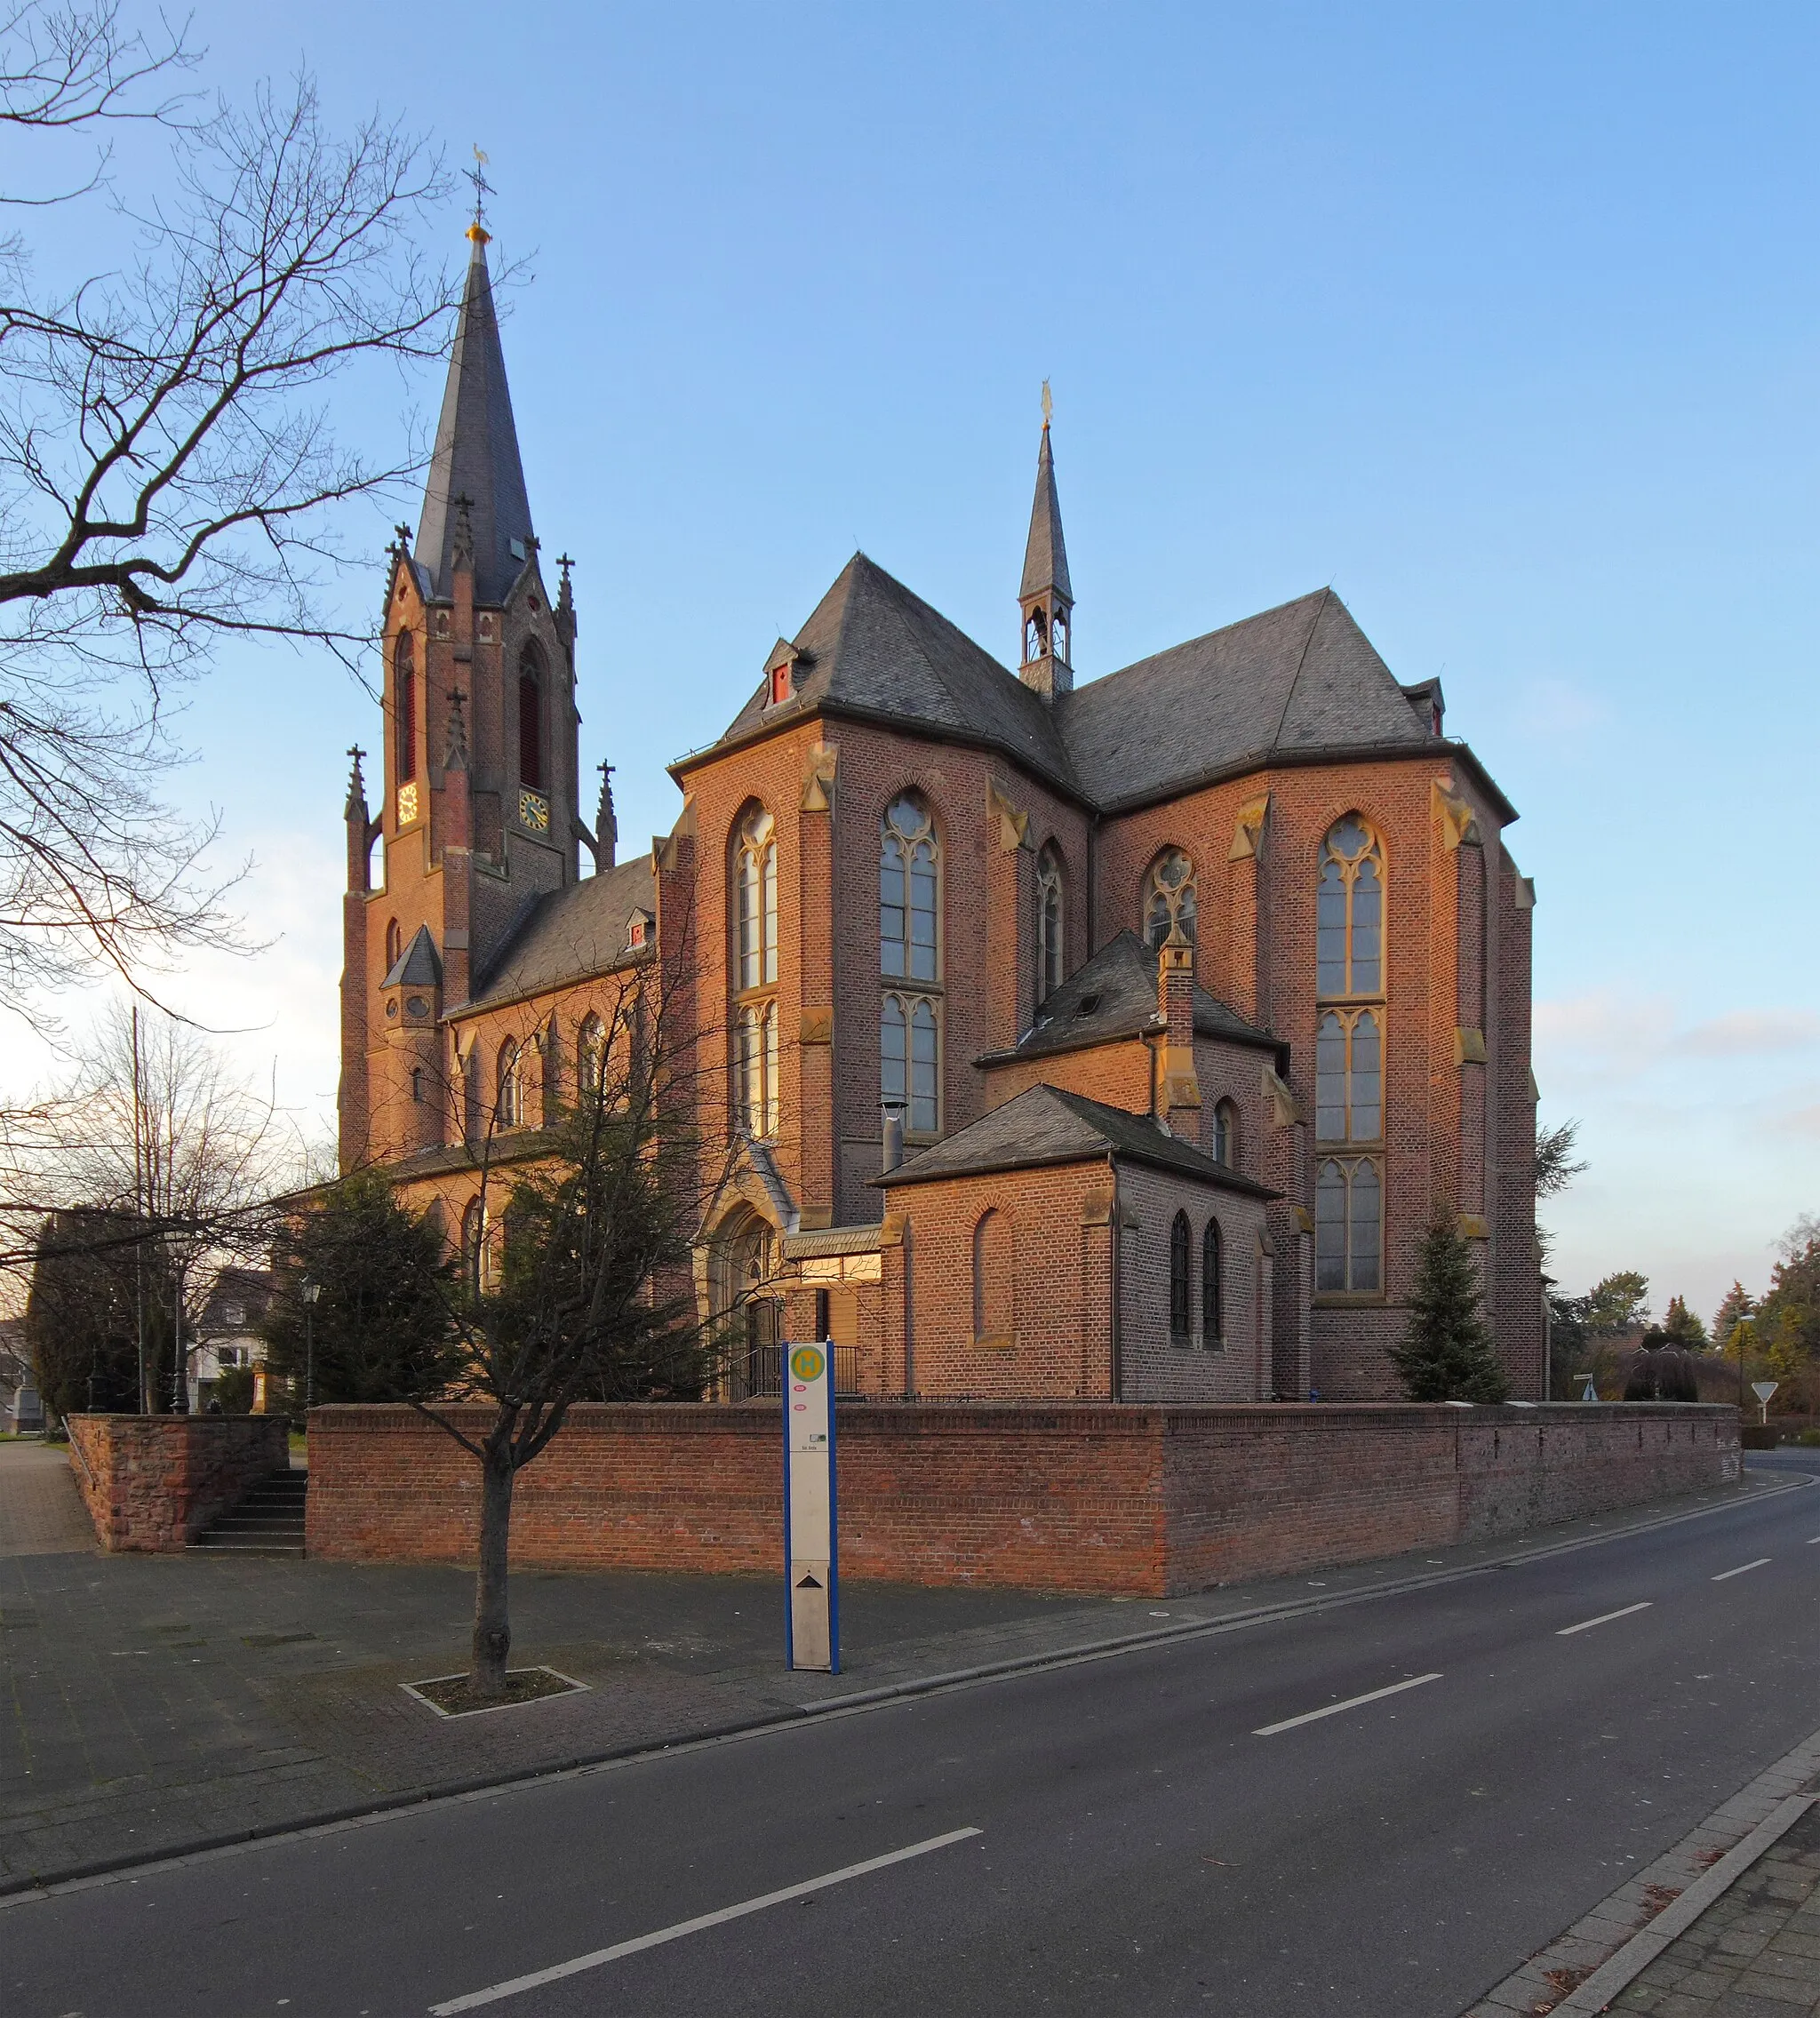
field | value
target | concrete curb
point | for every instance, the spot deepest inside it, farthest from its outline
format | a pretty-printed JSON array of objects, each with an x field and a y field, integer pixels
[
  {"x": 21, "y": 1891},
  {"x": 1642, "y": 1948}
]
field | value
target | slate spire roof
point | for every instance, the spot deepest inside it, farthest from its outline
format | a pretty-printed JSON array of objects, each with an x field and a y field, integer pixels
[
  {"x": 477, "y": 453},
  {"x": 1045, "y": 553}
]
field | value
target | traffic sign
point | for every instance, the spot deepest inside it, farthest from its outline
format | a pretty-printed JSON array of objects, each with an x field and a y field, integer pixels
[
  {"x": 1763, "y": 1390},
  {"x": 811, "y": 1553}
]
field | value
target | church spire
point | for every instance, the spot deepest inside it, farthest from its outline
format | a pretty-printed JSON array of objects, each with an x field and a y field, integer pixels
[
  {"x": 477, "y": 453},
  {"x": 1045, "y": 596}
]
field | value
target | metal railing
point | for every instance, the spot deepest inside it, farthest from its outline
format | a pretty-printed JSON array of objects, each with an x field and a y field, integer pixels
[{"x": 758, "y": 1372}]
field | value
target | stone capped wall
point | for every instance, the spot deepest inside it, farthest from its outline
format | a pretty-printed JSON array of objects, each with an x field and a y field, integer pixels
[
  {"x": 1150, "y": 1500},
  {"x": 152, "y": 1483}
]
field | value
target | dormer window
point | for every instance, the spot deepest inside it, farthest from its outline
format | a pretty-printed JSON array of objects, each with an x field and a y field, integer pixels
[{"x": 638, "y": 929}]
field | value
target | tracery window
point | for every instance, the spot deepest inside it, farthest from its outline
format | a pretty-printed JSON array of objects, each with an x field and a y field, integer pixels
[
  {"x": 755, "y": 1049},
  {"x": 1213, "y": 1329},
  {"x": 1050, "y": 920},
  {"x": 1169, "y": 899},
  {"x": 909, "y": 939},
  {"x": 1349, "y": 1225},
  {"x": 530, "y": 718},
  {"x": 590, "y": 1056},
  {"x": 1180, "y": 1306},
  {"x": 1349, "y": 913},
  {"x": 508, "y": 1111},
  {"x": 474, "y": 1231},
  {"x": 404, "y": 706},
  {"x": 908, "y": 892},
  {"x": 1226, "y": 1135},
  {"x": 755, "y": 1068},
  {"x": 1349, "y": 1076},
  {"x": 909, "y": 1047}
]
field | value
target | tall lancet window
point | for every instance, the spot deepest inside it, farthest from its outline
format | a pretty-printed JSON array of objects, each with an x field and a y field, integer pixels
[
  {"x": 404, "y": 707},
  {"x": 756, "y": 1059},
  {"x": 1349, "y": 1060},
  {"x": 530, "y": 718},
  {"x": 1051, "y": 963},
  {"x": 909, "y": 946}
]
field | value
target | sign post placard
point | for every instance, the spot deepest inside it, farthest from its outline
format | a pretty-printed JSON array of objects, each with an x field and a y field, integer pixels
[{"x": 812, "y": 1608}]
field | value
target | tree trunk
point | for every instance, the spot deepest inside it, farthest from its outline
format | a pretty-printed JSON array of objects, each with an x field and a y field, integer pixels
[{"x": 492, "y": 1633}]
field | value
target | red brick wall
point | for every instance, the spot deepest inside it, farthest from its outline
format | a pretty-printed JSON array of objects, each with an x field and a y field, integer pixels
[
  {"x": 1143, "y": 1500},
  {"x": 152, "y": 1483}
]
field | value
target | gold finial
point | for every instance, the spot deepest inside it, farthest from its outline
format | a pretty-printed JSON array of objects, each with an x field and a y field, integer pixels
[
  {"x": 478, "y": 231},
  {"x": 1048, "y": 405}
]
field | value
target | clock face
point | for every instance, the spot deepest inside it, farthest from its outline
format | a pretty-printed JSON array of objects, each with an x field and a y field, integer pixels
[
  {"x": 407, "y": 804},
  {"x": 534, "y": 810}
]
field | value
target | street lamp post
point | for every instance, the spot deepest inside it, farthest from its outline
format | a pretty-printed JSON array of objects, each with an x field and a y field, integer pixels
[{"x": 311, "y": 1291}]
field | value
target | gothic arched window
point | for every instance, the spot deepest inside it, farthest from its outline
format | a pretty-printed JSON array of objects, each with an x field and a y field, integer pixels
[
  {"x": 590, "y": 1056},
  {"x": 1213, "y": 1325},
  {"x": 1349, "y": 914},
  {"x": 394, "y": 944},
  {"x": 473, "y": 1228},
  {"x": 1349, "y": 1076},
  {"x": 909, "y": 943},
  {"x": 404, "y": 706},
  {"x": 530, "y": 718},
  {"x": 1051, "y": 960},
  {"x": 1226, "y": 1135},
  {"x": 508, "y": 1112},
  {"x": 755, "y": 1060},
  {"x": 909, "y": 887},
  {"x": 1169, "y": 899},
  {"x": 1349, "y": 1225},
  {"x": 756, "y": 879},
  {"x": 1180, "y": 1306}
]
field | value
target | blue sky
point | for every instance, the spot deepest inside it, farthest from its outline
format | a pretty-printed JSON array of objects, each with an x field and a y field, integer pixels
[{"x": 1501, "y": 320}]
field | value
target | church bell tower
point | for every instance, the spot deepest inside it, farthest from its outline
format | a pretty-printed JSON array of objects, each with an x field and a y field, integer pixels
[
  {"x": 1045, "y": 596},
  {"x": 479, "y": 815}
]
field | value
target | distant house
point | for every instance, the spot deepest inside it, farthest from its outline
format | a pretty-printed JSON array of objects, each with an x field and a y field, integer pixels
[
  {"x": 21, "y": 1406},
  {"x": 226, "y": 1334}
]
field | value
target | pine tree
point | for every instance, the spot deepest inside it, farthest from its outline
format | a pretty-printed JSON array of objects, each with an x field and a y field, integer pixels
[
  {"x": 1737, "y": 1305},
  {"x": 1446, "y": 1353},
  {"x": 1682, "y": 1327}
]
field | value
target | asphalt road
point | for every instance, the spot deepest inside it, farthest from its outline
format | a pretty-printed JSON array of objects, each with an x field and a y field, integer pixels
[{"x": 1167, "y": 1831}]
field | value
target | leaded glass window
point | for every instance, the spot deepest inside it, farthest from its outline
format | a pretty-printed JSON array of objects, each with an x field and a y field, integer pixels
[
  {"x": 1180, "y": 1306},
  {"x": 1169, "y": 899},
  {"x": 1349, "y": 913},
  {"x": 1349, "y": 1076},
  {"x": 1213, "y": 1329},
  {"x": 908, "y": 892},
  {"x": 1349, "y": 1225},
  {"x": 910, "y": 1061},
  {"x": 509, "y": 1113},
  {"x": 1050, "y": 954},
  {"x": 756, "y": 876}
]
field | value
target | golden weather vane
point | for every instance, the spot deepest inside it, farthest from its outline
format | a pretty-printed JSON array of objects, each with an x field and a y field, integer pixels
[{"x": 483, "y": 190}]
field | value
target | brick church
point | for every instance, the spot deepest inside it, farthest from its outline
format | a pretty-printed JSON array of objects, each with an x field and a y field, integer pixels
[{"x": 1108, "y": 1041}]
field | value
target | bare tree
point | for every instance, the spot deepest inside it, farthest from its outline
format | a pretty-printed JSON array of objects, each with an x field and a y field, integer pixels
[
  {"x": 156, "y": 1149},
  {"x": 168, "y": 473}
]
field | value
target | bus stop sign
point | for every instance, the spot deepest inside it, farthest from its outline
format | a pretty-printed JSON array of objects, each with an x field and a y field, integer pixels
[{"x": 813, "y": 1607}]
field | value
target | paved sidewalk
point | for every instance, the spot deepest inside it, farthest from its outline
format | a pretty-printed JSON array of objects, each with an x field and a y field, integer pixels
[
  {"x": 159, "y": 1703},
  {"x": 41, "y": 1510},
  {"x": 1754, "y": 1953}
]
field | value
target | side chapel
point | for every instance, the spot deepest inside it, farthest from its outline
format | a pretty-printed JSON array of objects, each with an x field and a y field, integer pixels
[{"x": 1109, "y": 1042}]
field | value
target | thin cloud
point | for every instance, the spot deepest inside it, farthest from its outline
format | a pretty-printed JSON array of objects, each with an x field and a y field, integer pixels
[{"x": 1749, "y": 1033}]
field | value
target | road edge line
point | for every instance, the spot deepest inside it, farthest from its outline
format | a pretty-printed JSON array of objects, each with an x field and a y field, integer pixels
[{"x": 109, "y": 1870}]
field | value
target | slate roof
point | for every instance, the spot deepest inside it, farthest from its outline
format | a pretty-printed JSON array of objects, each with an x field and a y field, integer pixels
[
  {"x": 872, "y": 647},
  {"x": 475, "y": 455},
  {"x": 570, "y": 935},
  {"x": 418, "y": 966},
  {"x": 1299, "y": 678},
  {"x": 1119, "y": 985},
  {"x": 1298, "y": 681},
  {"x": 1044, "y": 1126},
  {"x": 1045, "y": 553}
]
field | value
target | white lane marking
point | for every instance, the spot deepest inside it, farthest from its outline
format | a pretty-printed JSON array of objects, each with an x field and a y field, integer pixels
[
  {"x": 1740, "y": 1570},
  {"x": 495, "y": 1991},
  {"x": 1352, "y": 1702},
  {"x": 1604, "y": 1618}
]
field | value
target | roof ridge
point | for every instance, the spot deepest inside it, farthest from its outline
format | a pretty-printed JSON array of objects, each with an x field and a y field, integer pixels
[{"x": 1296, "y": 677}]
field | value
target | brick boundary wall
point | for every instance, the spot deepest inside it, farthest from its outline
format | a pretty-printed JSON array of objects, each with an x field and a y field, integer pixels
[
  {"x": 152, "y": 1483},
  {"x": 1151, "y": 1501}
]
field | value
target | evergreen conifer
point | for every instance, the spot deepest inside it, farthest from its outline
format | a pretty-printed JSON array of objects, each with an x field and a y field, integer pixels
[{"x": 1446, "y": 1353}]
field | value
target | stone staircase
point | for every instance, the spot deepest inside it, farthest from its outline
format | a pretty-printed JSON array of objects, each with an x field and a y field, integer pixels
[{"x": 267, "y": 1522}]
